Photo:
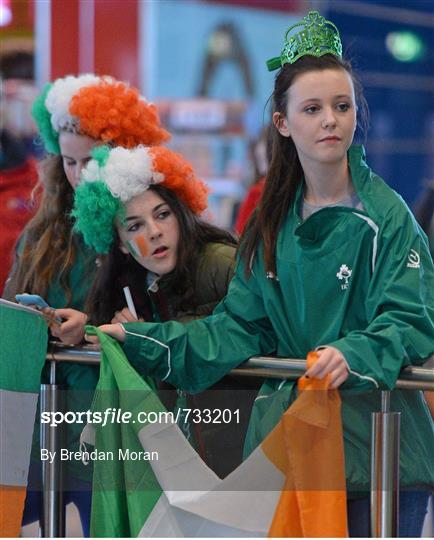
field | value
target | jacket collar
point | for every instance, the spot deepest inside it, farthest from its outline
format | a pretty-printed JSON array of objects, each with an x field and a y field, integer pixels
[
  {"x": 360, "y": 176},
  {"x": 360, "y": 172}
]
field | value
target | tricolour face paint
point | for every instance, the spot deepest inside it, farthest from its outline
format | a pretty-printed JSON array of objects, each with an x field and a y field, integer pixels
[{"x": 138, "y": 246}]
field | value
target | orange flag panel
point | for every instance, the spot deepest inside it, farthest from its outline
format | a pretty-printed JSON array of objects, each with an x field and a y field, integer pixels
[
  {"x": 313, "y": 502},
  {"x": 11, "y": 510}
]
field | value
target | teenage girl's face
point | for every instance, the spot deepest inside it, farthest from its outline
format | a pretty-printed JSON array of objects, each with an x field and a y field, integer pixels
[
  {"x": 321, "y": 116},
  {"x": 150, "y": 233},
  {"x": 75, "y": 150}
]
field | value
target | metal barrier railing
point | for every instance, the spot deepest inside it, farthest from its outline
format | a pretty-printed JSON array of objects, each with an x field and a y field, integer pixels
[{"x": 384, "y": 443}]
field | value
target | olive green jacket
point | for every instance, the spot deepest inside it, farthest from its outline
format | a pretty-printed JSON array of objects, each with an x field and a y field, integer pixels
[{"x": 215, "y": 270}]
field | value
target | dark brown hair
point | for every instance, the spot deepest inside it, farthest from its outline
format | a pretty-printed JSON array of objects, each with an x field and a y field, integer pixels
[
  {"x": 285, "y": 172},
  {"x": 118, "y": 269},
  {"x": 49, "y": 247}
]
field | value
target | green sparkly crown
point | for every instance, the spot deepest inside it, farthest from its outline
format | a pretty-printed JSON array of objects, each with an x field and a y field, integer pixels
[{"x": 317, "y": 37}]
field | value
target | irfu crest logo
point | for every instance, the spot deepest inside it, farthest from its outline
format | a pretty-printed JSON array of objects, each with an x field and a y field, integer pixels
[
  {"x": 413, "y": 259},
  {"x": 344, "y": 275}
]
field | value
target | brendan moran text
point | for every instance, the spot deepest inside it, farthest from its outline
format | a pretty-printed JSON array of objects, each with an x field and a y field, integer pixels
[{"x": 122, "y": 454}]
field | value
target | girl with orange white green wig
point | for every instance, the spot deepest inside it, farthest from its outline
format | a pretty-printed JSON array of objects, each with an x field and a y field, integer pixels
[
  {"x": 141, "y": 209},
  {"x": 73, "y": 115},
  {"x": 116, "y": 176}
]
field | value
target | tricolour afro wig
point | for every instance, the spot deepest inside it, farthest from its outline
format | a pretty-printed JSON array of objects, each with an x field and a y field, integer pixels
[
  {"x": 102, "y": 108},
  {"x": 114, "y": 176}
]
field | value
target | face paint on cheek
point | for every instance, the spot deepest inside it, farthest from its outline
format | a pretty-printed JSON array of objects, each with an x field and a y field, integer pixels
[{"x": 138, "y": 247}]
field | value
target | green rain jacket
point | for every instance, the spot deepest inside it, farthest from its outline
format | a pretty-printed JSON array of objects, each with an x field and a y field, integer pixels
[{"x": 360, "y": 281}]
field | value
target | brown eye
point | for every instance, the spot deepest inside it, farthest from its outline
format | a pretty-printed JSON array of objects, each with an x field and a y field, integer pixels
[
  {"x": 164, "y": 214},
  {"x": 134, "y": 227}
]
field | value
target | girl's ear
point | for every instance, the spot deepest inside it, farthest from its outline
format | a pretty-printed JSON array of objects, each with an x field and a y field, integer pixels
[{"x": 281, "y": 124}]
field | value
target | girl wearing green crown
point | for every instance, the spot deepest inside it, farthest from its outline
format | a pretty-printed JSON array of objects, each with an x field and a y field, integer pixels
[{"x": 333, "y": 260}]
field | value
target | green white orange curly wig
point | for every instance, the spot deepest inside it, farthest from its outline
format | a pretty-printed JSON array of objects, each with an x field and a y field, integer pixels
[
  {"x": 115, "y": 175},
  {"x": 100, "y": 107}
]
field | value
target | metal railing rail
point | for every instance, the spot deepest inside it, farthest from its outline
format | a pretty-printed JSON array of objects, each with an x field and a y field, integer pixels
[
  {"x": 384, "y": 443},
  {"x": 410, "y": 378}
]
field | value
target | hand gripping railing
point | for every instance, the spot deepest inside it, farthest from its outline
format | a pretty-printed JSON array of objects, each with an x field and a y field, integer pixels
[{"x": 384, "y": 443}]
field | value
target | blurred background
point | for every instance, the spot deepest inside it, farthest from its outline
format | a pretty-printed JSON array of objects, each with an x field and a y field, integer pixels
[{"x": 203, "y": 63}]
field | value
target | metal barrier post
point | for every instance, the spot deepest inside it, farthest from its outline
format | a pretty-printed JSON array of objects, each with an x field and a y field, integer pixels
[
  {"x": 385, "y": 470},
  {"x": 53, "y": 517}
]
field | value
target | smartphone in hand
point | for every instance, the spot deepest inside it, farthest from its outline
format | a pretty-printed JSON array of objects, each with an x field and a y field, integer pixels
[
  {"x": 37, "y": 302},
  {"x": 33, "y": 300}
]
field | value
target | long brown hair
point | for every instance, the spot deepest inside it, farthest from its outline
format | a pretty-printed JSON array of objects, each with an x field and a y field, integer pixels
[
  {"x": 117, "y": 269},
  {"x": 49, "y": 248},
  {"x": 285, "y": 173}
]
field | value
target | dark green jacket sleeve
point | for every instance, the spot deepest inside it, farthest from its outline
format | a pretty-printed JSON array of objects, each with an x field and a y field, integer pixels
[
  {"x": 196, "y": 355},
  {"x": 399, "y": 306}
]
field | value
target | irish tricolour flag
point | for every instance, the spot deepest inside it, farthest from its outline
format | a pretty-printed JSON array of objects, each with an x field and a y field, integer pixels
[
  {"x": 293, "y": 484},
  {"x": 23, "y": 347}
]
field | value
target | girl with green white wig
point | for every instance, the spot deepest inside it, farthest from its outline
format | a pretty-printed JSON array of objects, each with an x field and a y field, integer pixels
[
  {"x": 142, "y": 206},
  {"x": 140, "y": 209}
]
